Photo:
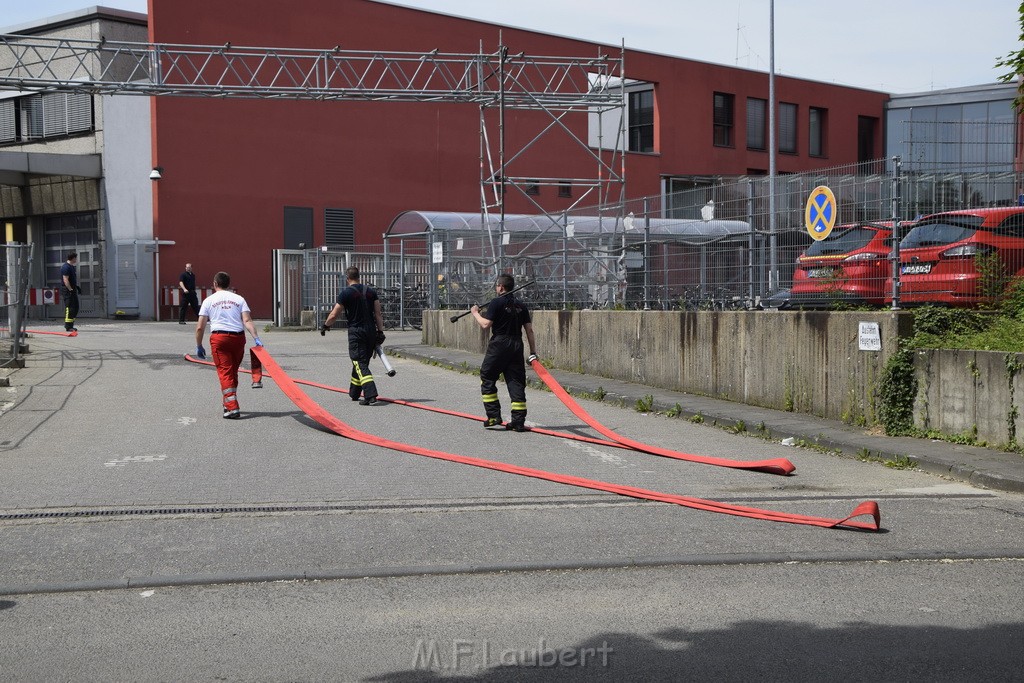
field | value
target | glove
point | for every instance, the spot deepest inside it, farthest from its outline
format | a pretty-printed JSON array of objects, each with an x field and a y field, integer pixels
[
  {"x": 257, "y": 342},
  {"x": 200, "y": 352},
  {"x": 532, "y": 358},
  {"x": 380, "y": 337},
  {"x": 323, "y": 329},
  {"x": 78, "y": 290}
]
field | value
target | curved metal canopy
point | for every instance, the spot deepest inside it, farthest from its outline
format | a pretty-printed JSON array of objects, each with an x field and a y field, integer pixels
[{"x": 692, "y": 231}]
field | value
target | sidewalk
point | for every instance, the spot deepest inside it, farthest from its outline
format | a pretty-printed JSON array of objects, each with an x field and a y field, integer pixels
[{"x": 975, "y": 465}]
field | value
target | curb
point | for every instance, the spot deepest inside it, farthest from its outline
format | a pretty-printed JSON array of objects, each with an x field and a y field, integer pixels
[{"x": 856, "y": 445}]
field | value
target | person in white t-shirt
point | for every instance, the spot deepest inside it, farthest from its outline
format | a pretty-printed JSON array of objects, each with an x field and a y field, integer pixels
[{"x": 229, "y": 318}]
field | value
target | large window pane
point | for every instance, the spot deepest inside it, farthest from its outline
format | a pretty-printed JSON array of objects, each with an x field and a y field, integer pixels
[
  {"x": 641, "y": 121},
  {"x": 787, "y": 128},
  {"x": 756, "y": 123},
  {"x": 723, "y": 117},
  {"x": 816, "y": 132}
]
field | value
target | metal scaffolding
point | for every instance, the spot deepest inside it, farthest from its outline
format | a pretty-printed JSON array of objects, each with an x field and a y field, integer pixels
[{"x": 562, "y": 89}]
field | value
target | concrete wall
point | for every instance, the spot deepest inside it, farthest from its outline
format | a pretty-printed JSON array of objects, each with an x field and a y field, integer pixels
[
  {"x": 128, "y": 197},
  {"x": 977, "y": 393},
  {"x": 806, "y": 361}
]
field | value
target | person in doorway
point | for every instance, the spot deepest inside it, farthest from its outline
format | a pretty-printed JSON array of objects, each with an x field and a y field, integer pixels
[
  {"x": 229, "y": 317},
  {"x": 365, "y": 333},
  {"x": 70, "y": 291},
  {"x": 187, "y": 285},
  {"x": 506, "y": 317}
]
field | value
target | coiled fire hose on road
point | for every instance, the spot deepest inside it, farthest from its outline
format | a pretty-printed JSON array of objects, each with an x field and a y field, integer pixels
[
  {"x": 317, "y": 413},
  {"x": 774, "y": 466}
]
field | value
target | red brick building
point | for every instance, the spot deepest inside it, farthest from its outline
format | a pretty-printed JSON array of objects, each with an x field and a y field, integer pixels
[{"x": 240, "y": 175}]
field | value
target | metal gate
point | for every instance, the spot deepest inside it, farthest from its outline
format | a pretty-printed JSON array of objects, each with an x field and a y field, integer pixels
[
  {"x": 288, "y": 287},
  {"x": 14, "y": 268}
]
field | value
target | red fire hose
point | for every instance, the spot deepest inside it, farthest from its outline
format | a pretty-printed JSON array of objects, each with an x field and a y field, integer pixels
[{"x": 320, "y": 415}]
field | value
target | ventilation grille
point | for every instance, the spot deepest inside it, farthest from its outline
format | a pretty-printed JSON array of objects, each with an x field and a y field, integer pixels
[{"x": 340, "y": 229}]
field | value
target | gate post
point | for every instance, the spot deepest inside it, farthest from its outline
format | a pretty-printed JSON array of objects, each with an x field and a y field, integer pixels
[{"x": 897, "y": 164}]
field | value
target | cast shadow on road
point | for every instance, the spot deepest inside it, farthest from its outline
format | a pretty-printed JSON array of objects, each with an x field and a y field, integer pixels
[
  {"x": 251, "y": 414},
  {"x": 746, "y": 651},
  {"x": 7, "y": 604}
]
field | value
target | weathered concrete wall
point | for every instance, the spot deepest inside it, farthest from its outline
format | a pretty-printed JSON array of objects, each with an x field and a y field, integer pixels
[
  {"x": 790, "y": 360},
  {"x": 976, "y": 393}
]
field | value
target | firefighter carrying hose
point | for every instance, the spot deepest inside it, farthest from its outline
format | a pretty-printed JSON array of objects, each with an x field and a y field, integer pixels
[{"x": 506, "y": 317}]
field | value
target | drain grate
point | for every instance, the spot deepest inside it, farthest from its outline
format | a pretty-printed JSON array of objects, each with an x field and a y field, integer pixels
[
  {"x": 82, "y": 513},
  {"x": 137, "y": 512}
]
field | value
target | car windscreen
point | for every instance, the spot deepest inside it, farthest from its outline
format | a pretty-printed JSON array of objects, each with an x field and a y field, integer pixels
[
  {"x": 842, "y": 242},
  {"x": 936, "y": 234}
]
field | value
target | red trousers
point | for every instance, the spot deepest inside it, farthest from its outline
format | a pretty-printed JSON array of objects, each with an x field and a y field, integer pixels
[{"x": 228, "y": 351}]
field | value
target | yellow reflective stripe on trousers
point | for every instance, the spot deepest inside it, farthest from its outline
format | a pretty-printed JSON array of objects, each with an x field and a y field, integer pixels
[
  {"x": 360, "y": 378},
  {"x": 490, "y": 398},
  {"x": 519, "y": 406}
]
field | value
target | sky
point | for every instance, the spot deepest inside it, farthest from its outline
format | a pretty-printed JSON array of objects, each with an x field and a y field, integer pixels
[{"x": 896, "y": 46}]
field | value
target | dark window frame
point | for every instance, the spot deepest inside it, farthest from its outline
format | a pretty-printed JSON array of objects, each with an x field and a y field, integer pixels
[
  {"x": 817, "y": 132},
  {"x": 640, "y": 118},
  {"x": 788, "y": 139},
  {"x": 723, "y": 116},
  {"x": 757, "y": 124}
]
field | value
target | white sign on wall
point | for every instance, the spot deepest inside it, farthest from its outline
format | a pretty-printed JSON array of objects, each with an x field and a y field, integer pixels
[
  {"x": 438, "y": 253},
  {"x": 870, "y": 339}
]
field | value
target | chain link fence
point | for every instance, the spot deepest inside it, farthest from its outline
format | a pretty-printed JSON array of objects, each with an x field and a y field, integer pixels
[
  {"x": 728, "y": 244},
  {"x": 14, "y": 269}
]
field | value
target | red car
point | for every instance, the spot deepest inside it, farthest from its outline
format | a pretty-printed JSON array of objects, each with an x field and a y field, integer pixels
[
  {"x": 849, "y": 266},
  {"x": 961, "y": 258}
]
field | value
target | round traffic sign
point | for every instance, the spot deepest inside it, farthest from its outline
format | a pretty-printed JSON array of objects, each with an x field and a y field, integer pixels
[{"x": 820, "y": 213}]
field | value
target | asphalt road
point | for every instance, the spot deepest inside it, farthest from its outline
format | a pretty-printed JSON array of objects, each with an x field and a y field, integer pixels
[{"x": 143, "y": 537}]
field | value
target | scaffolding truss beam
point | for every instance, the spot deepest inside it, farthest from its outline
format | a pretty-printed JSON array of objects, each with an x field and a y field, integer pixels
[{"x": 29, "y": 63}]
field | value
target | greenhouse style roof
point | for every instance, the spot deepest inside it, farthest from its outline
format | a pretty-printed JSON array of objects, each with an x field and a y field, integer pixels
[{"x": 692, "y": 231}]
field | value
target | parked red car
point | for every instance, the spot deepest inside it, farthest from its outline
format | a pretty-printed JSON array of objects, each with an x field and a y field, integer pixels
[
  {"x": 961, "y": 258},
  {"x": 849, "y": 266}
]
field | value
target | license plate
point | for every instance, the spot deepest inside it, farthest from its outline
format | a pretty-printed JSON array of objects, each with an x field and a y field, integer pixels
[
  {"x": 916, "y": 269},
  {"x": 821, "y": 272}
]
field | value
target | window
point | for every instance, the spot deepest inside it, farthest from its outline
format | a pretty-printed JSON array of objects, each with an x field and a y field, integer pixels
[
  {"x": 564, "y": 188},
  {"x": 866, "y": 138},
  {"x": 47, "y": 115},
  {"x": 8, "y": 122},
  {"x": 340, "y": 229},
  {"x": 787, "y": 128},
  {"x": 641, "y": 121},
  {"x": 532, "y": 188},
  {"x": 816, "y": 131},
  {"x": 756, "y": 123},
  {"x": 723, "y": 119}
]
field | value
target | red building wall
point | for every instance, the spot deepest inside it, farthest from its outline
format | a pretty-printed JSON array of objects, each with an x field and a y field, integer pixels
[{"x": 231, "y": 166}]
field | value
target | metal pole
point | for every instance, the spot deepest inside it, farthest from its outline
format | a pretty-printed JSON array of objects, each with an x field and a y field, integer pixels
[
  {"x": 503, "y": 55},
  {"x": 14, "y": 297},
  {"x": 750, "y": 243},
  {"x": 401, "y": 284},
  {"x": 773, "y": 265},
  {"x": 156, "y": 285},
  {"x": 647, "y": 256},
  {"x": 565, "y": 260},
  {"x": 897, "y": 164}
]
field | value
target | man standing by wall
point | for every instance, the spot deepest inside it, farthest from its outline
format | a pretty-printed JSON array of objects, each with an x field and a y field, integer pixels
[
  {"x": 70, "y": 291},
  {"x": 187, "y": 285},
  {"x": 365, "y": 332},
  {"x": 229, "y": 317},
  {"x": 506, "y": 317}
]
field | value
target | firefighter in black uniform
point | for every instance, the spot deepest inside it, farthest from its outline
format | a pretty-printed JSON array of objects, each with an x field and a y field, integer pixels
[
  {"x": 506, "y": 317},
  {"x": 365, "y": 332},
  {"x": 70, "y": 291}
]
